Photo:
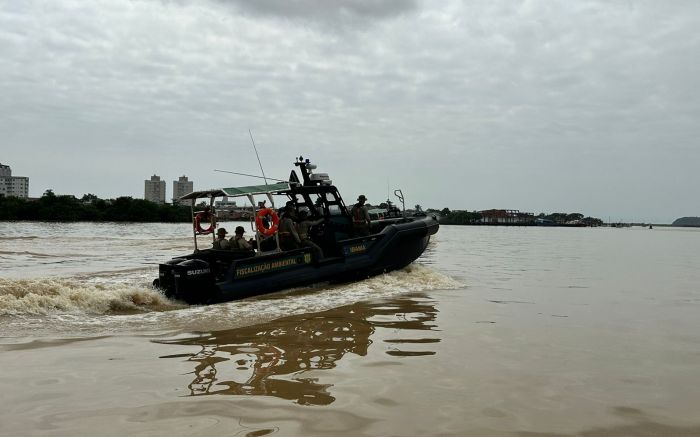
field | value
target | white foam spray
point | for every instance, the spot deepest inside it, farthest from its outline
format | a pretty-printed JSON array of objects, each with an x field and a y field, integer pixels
[
  {"x": 110, "y": 304},
  {"x": 55, "y": 296}
]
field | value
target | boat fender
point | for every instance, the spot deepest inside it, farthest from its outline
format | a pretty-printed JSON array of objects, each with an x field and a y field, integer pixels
[
  {"x": 207, "y": 216},
  {"x": 260, "y": 217}
]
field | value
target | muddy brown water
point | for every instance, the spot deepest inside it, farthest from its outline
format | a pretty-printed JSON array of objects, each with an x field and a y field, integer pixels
[{"x": 494, "y": 331}]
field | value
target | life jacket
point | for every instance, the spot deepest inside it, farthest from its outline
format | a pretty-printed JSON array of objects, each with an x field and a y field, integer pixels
[
  {"x": 358, "y": 214},
  {"x": 222, "y": 244},
  {"x": 285, "y": 227},
  {"x": 236, "y": 242}
]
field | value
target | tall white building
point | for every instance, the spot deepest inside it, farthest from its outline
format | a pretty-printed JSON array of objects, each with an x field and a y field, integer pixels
[
  {"x": 17, "y": 186},
  {"x": 181, "y": 187},
  {"x": 154, "y": 190}
]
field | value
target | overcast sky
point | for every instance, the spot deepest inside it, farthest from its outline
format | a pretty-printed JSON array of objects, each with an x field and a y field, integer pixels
[{"x": 574, "y": 106}]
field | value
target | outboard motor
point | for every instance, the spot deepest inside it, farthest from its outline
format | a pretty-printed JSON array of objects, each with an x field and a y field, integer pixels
[
  {"x": 166, "y": 277},
  {"x": 194, "y": 280}
]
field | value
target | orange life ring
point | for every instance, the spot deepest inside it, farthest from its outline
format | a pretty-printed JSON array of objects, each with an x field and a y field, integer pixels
[
  {"x": 261, "y": 226},
  {"x": 198, "y": 222}
]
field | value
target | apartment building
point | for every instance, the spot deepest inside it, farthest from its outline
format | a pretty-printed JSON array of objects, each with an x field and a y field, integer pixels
[
  {"x": 17, "y": 186},
  {"x": 181, "y": 187},
  {"x": 154, "y": 190}
]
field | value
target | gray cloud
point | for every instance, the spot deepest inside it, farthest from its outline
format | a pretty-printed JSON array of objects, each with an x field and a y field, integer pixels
[
  {"x": 537, "y": 105},
  {"x": 327, "y": 12}
]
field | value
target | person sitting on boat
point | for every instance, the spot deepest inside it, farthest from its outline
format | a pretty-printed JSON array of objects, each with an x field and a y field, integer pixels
[
  {"x": 238, "y": 242},
  {"x": 289, "y": 237},
  {"x": 221, "y": 243},
  {"x": 360, "y": 217},
  {"x": 303, "y": 227}
]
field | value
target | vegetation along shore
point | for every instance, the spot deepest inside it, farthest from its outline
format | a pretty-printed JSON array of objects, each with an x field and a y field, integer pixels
[{"x": 68, "y": 208}]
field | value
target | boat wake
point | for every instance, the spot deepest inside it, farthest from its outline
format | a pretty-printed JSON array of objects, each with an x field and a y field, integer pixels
[
  {"x": 70, "y": 296},
  {"x": 125, "y": 304}
]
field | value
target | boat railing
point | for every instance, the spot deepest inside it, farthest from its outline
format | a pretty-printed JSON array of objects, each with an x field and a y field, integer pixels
[{"x": 249, "y": 192}]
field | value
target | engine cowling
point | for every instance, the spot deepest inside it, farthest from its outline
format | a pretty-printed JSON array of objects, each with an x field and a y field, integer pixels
[
  {"x": 166, "y": 277},
  {"x": 194, "y": 280}
]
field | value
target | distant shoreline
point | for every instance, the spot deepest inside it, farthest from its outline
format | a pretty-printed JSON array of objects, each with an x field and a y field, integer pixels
[
  {"x": 633, "y": 225},
  {"x": 606, "y": 225},
  {"x": 66, "y": 209}
]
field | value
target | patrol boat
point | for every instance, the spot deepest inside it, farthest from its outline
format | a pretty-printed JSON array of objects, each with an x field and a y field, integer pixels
[{"x": 209, "y": 275}]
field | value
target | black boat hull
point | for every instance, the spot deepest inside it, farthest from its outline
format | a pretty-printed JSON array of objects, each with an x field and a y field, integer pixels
[{"x": 212, "y": 276}]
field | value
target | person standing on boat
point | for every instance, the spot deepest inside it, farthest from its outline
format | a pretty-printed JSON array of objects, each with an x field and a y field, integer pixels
[
  {"x": 282, "y": 211},
  {"x": 221, "y": 243},
  {"x": 238, "y": 242},
  {"x": 289, "y": 237},
  {"x": 360, "y": 217}
]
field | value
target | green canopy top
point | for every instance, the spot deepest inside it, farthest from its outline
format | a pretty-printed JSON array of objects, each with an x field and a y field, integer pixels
[{"x": 238, "y": 191}]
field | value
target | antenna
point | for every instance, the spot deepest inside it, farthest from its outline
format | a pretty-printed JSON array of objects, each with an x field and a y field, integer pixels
[
  {"x": 256, "y": 154},
  {"x": 250, "y": 175}
]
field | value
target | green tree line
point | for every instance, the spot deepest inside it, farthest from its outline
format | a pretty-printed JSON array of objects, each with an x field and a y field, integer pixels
[
  {"x": 68, "y": 208},
  {"x": 456, "y": 217}
]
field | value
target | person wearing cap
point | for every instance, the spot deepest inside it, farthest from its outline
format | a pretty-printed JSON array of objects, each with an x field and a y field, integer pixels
[
  {"x": 285, "y": 208},
  {"x": 360, "y": 217},
  {"x": 238, "y": 242},
  {"x": 221, "y": 243}
]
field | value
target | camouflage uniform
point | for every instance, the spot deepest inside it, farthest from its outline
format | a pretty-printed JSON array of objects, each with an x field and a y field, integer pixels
[
  {"x": 221, "y": 244},
  {"x": 303, "y": 229},
  {"x": 240, "y": 243},
  {"x": 289, "y": 237},
  {"x": 360, "y": 219}
]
